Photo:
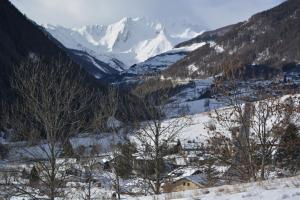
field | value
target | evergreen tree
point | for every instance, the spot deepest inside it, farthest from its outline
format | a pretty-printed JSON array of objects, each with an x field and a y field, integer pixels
[
  {"x": 25, "y": 174},
  {"x": 68, "y": 149},
  {"x": 34, "y": 177},
  {"x": 3, "y": 151},
  {"x": 124, "y": 161},
  {"x": 288, "y": 154}
]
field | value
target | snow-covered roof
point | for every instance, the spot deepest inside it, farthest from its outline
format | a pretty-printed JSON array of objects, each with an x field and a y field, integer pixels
[
  {"x": 142, "y": 156},
  {"x": 182, "y": 172},
  {"x": 196, "y": 179},
  {"x": 191, "y": 146}
]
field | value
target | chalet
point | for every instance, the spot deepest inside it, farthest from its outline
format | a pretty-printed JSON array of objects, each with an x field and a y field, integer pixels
[
  {"x": 192, "y": 182},
  {"x": 184, "y": 178},
  {"x": 184, "y": 153}
]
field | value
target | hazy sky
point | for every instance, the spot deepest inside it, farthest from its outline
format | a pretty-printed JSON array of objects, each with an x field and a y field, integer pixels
[{"x": 208, "y": 13}]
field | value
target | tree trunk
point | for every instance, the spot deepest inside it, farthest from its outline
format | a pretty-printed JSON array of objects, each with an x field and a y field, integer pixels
[{"x": 157, "y": 164}]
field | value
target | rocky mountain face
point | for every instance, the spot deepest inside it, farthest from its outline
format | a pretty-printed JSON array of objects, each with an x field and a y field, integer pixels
[
  {"x": 130, "y": 40},
  {"x": 269, "y": 42}
]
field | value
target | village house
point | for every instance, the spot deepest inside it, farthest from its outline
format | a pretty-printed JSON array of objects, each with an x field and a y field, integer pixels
[
  {"x": 184, "y": 178},
  {"x": 192, "y": 182},
  {"x": 184, "y": 153}
]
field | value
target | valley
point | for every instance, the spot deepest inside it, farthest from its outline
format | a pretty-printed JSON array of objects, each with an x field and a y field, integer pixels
[{"x": 150, "y": 109}]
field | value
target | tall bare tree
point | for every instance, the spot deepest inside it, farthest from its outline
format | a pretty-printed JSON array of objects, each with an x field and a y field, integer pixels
[
  {"x": 54, "y": 104},
  {"x": 254, "y": 119},
  {"x": 154, "y": 134},
  {"x": 109, "y": 107}
]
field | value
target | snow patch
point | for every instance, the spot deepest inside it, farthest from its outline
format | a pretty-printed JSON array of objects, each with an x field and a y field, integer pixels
[
  {"x": 192, "y": 68},
  {"x": 219, "y": 49}
]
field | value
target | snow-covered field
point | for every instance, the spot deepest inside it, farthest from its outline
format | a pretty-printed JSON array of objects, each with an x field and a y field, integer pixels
[{"x": 277, "y": 189}]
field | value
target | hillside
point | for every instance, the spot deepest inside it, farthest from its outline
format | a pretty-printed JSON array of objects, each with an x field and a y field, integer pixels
[
  {"x": 162, "y": 61},
  {"x": 21, "y": 38},
  {"x": 269, "y": 41}
]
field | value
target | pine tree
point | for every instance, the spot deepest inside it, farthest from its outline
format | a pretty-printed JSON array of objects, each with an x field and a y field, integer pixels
[
  {"x": 288, "y": 154},
  {"x": 3, "y": 151},
  {"x": 68, "y": 149},
  {"x": 124, "y": 161},
  {"x": 34, "y": 177}
]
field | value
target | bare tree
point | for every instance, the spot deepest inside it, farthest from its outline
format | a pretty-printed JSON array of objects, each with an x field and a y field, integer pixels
[
  {"x": 88, "y": 171},
  {"x": 114, "y": 126},
  {"x": 53, "y": 105},
  {"x": 109, "y": 107},
  {"x": 154, "y": 134},
  {"x": 253, "y": 120}
]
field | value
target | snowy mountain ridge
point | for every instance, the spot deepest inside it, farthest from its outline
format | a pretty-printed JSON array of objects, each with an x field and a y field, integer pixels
[
  {"x": 163, "y": 61},
  {"x": 130, "y": 40}
]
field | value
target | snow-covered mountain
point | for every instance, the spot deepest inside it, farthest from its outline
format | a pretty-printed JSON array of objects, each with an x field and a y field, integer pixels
[
  {"x": 130, "y": 40},
  {"x": 163, "y": 61}
]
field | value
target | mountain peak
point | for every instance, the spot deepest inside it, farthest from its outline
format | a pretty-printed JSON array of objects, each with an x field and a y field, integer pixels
[{"x": 126, "y": 39}]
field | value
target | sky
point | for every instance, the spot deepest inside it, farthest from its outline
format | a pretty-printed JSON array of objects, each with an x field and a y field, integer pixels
[{"x": 207, "y": 13}]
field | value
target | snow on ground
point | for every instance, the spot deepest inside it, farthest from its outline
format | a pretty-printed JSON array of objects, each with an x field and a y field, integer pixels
[
  {"x": 277, "y": 189},
  {"x": 21, "y": 150},
  {"x": 194, "y": 98},
  {"x": 156, "y": 63},
  {"x": 197, "y": 131},
  {"x": 162, "y": 61},
  {"x": 192, "y": 68},
  {"x": 189, "y": 48}
]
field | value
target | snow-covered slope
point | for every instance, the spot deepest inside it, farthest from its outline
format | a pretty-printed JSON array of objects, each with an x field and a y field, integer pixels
[
  {"x": 95, "y": 67},
  {"x": 130, "y": 40},
  {"x": 162, "y": 61},
  {"x": 277, "y": 189}
]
